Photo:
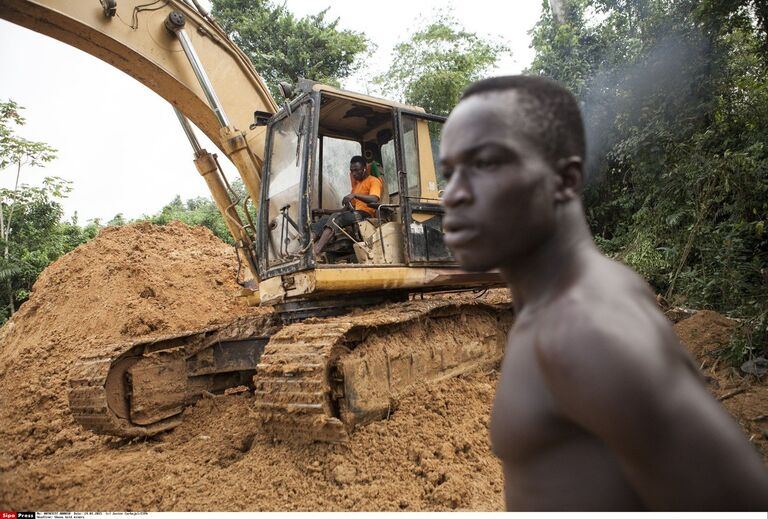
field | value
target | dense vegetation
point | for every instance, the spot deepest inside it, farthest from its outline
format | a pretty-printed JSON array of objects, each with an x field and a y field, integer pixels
[
  {"x": 674, "y": 94},
  {"x": 675, "y": 98},
  {"x": 32, "y": 234}
]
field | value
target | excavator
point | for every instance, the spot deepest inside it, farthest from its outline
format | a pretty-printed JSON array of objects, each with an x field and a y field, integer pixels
[{"x": 352, "y": 328}]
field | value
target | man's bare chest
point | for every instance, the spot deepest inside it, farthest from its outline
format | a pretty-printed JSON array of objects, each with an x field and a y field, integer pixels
[{"x": 524, "y": 419}]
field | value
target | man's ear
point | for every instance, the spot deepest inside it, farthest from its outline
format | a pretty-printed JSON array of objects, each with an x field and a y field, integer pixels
[{"x": 570, "y": 173}]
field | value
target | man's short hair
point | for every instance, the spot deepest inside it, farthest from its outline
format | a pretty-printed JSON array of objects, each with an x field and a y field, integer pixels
[
  {"x": 553, "y": 118},
  {"x": 357, "y": 159}
]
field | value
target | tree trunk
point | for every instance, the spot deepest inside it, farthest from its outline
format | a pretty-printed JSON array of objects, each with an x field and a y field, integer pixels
[
  {"x": 5, "y": 234},
  {"x": 703, "y": 210},
  {"x": 10, "y": 298},
  {"x": 4, "y": 238},
  {"x": 6, "y": 255}
]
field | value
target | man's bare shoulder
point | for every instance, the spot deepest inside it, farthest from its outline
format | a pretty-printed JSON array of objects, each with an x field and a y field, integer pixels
[
  {"x": 607, "y": 327},
  {"x": 609, "y": 298}
]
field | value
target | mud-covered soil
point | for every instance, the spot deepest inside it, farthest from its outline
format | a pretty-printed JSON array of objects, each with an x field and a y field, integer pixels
[
  {"x": 706, "y": 335},
  {"x": 431, "y": 454}
]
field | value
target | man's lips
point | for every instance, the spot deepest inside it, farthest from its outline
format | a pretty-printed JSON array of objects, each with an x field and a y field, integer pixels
[{"x": 458, "y": 233}]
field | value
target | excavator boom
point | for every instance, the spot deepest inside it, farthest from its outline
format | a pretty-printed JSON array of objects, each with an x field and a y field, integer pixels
[{"x": 136, "y": 41}]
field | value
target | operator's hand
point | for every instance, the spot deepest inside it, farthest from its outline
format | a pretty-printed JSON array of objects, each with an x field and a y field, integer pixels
[{"x": 347, "y": 200}]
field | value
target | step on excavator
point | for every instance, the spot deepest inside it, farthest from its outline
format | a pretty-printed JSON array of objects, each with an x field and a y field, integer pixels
[{"x": 353, "y": 327}]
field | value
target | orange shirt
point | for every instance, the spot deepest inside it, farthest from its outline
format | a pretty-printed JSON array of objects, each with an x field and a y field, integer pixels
[{"x": 370, "y": 185}]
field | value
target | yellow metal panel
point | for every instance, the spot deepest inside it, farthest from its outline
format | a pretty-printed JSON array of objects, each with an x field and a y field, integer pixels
[
  {"x": 366, "y": 278},
  {"x": 301, "y": 283},
  {"x": 271, "y": 291},
  {"x": 355, "y": 96},
  {"x": 426, "y": 161},
  {"x": 370, "y": 278},
  {"x": 362, "y": 279}
]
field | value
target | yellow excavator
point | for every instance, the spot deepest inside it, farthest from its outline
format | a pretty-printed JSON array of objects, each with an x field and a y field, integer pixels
[{"x": 348, "y": 333}]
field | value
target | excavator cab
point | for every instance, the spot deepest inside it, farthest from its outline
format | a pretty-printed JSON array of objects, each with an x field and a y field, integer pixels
[{"x": 309, "y": 144}]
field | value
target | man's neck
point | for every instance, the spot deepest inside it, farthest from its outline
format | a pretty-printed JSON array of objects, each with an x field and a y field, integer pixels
[{"x": 555, "y": 265}]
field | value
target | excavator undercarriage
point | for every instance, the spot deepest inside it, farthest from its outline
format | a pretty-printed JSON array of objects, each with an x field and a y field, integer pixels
[{"x": 316, "y": 379}]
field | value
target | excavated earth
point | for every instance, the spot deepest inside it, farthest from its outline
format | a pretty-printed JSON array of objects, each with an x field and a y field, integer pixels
[{"x": 143, "y": 280}]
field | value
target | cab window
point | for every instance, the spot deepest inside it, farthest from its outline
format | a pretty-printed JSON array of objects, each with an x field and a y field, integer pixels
[{"x": 334, "y": 176}]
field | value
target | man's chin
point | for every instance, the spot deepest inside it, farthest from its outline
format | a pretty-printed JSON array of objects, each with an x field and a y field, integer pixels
[{"x": 471, "y": 263}]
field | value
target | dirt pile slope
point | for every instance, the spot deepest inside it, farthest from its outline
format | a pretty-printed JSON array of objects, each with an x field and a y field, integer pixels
[{"x": 130, "y": 281}]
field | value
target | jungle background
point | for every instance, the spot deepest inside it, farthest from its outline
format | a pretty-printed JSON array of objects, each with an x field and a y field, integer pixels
[{"x": 674, "y": 94}]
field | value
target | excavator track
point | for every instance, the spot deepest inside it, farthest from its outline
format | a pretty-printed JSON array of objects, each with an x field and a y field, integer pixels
[
  {"x": 320, "y": 378},
  {"x": 140, "y": 388},
  {"x": 314, "y": 380},
  {"x": 292, "y": 385}
]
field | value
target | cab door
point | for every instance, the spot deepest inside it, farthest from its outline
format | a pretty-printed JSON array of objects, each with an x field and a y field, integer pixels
[
  {"x": 284, "y": 237},
  {"x": 418, "y": 146}
]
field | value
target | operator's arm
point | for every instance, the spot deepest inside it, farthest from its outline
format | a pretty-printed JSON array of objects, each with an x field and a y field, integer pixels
[
  {"x": 373, "y": 196},
  {"x": 629, "y": 384},
  {"x": 368, "y": 199}
]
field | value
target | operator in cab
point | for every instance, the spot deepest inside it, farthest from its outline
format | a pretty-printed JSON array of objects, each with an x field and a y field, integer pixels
[
  {"x": 366, "y": 189},
  {"x": 598, "y": 406}
]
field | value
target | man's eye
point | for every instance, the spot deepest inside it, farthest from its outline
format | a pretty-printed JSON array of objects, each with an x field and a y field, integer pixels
[
  {"x": 484, "y": 163},
  {"x": 447, "y": 172}
]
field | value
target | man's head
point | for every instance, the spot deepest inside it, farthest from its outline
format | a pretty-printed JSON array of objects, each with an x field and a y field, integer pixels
[
  {"x": 358, "y": 167},
  {"x": 512, "y": 151}
]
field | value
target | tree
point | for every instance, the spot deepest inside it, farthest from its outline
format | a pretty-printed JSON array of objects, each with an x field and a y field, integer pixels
[
  {"x": 285, "y": 48},
  {"x": 433, "y": 67},
  {"x": 18, "y": 152},
  {"x": 38, "y": 238},
  {"x": 117, "y": 220}
]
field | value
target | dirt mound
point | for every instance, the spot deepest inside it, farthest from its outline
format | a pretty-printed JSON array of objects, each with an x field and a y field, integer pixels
[
  {"x": 135, "y": 280},
  {"x": 432, "y": 454},
  {"x": 707, "y": 333}
]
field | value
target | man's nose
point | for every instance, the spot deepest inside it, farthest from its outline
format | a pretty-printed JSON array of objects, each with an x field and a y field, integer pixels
[{"x": 458, "y": 191}]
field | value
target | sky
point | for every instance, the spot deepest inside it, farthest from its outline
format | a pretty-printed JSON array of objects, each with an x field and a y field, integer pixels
[{"x": 121, "y": 145}]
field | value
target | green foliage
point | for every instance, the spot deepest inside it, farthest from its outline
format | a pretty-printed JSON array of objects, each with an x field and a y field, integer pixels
[
  {"x": 38, "y": 238},
  {"x": 285, "y": 48},
  {"x": 675, "y": 95},
  {"x": 432, "y": 68},
  {"x": 202, "y": 211},
  {"x": 28, "y": 215},
  {"x": 18, "y": 151},
  {"x": 196, "y": 211}
]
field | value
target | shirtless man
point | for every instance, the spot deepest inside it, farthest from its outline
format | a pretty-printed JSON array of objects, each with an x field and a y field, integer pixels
[{"x": 598, "y": 406}]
